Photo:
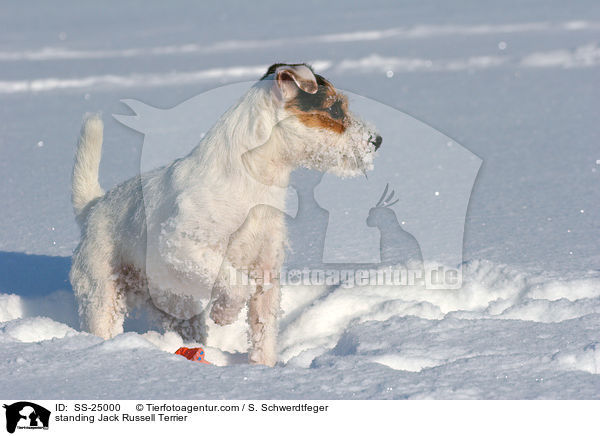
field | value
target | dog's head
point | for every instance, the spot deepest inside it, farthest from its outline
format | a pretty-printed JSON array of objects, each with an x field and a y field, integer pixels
[{"x": 317, "y": 127}]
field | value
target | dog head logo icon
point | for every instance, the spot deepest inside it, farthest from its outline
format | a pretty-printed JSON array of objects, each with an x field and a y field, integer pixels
[{"x": 26, "y": 415}]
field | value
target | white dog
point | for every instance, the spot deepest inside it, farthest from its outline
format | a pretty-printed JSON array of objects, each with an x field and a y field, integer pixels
[{"x": 214, "y": 211}]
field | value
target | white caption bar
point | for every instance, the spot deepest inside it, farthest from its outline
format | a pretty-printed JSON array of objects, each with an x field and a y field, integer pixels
[{"x": 306, "y": 417}]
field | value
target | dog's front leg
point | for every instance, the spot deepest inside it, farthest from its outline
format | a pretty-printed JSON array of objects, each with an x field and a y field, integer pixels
[{"x": 262, "y": 316}]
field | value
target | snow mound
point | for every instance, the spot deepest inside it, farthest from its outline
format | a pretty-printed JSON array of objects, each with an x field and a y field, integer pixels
[
  {"x": 403, "y": 363},
  {"x": 316, "y": 318},
  {"x": 517, "y": 334},
  {"x": 490, "y": 291},
  {"x": 10, "y": 307},
  {"x": 125, "y": 341},
  {"x": 587, "y": 359},
  {"x": 34, "y": 330},
  {"x": 169, "y": 341}
]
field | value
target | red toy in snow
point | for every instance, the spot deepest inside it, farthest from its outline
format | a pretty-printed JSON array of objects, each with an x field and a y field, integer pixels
[{"x": 196, "y": 354}]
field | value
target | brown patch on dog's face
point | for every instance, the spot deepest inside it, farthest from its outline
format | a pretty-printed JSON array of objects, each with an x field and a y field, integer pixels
[{"x": 326, "y": 109}]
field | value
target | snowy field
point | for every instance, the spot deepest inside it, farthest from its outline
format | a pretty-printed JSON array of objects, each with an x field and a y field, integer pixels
[{"x": 516, "y": 83}]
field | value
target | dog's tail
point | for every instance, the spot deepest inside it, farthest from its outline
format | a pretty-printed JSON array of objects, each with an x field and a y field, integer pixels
[{"x": 87, "y": 161}]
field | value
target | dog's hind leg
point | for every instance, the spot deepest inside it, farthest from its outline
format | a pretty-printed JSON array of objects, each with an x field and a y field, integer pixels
[
  {"x": 101, "y": 306},
  {"x": 262, "y": 317}
]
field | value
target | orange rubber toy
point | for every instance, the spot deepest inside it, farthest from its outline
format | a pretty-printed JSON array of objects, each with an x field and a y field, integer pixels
[{"x": 196, "y": 354}]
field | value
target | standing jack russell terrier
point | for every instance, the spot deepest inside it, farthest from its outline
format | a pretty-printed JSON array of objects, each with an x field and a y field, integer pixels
[{"x": 214, "y": 211}]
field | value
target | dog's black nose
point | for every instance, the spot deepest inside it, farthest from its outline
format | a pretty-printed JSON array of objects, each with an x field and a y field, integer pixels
[{"x": 378, "y": 141}]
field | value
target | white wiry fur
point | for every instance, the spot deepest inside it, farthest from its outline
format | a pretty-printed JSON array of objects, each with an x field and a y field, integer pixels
[
  {"x": 216, "y": 210},
  {"x": 85, "y": 170}
]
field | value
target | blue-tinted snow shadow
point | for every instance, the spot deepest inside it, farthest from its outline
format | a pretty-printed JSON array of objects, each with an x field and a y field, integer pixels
[
  {"x": 43, "y": 284},
  {"x": 30, "y": 275}
]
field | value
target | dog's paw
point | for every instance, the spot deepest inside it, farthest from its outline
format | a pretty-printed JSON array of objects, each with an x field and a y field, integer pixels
[
  {"x": 225, "y": 310},
  {"x": 260, "y": 357}
]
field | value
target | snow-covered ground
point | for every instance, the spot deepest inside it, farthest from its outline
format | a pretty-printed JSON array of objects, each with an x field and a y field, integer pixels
[{"x": 514, "y": 82}]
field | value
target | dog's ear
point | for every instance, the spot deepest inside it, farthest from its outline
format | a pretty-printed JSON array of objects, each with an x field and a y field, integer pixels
[{"x": 289, "y": 79}]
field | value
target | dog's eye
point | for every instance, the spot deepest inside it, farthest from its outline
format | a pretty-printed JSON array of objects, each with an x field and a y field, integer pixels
[{"x": 335, "y": 110}]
